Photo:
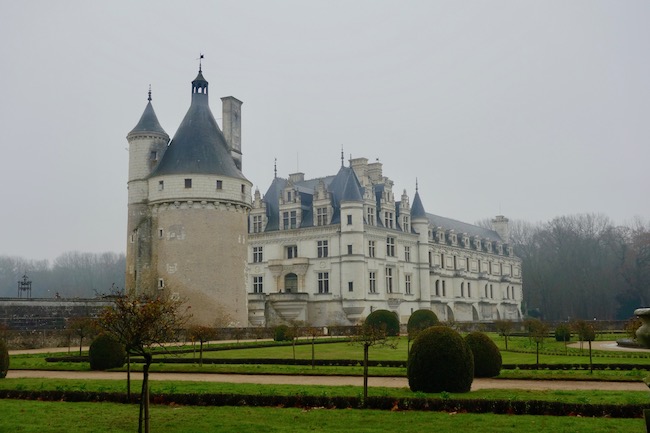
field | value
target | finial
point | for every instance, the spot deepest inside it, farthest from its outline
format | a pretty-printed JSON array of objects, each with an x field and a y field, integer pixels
[
  {"x": 342, "y": 156},
  {"x": 200, "y": 57},
  {"x": 416, "y": 184},
  {"x": 275, "y": 168},
  {"x": 149, "y": 98}
]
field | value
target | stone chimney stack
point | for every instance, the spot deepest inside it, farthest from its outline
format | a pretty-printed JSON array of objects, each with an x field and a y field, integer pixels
[
  {"x": 231, "y": 121},
  {"x": 500, "y": 225}
]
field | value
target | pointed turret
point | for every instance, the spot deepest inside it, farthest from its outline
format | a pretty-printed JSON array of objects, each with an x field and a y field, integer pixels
[
  {"x": 199, "y": 146},
  {"x": 148, "y": 122},
  {"x": 417, "y": 209}
]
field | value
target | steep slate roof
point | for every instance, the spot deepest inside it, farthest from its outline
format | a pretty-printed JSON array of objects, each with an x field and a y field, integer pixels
[
  {"x": 148, "y": 121},
  {"x": 417, "y": 209},
  {"x": 199, "y": 146},
  {"x": 461, "y": 227}
]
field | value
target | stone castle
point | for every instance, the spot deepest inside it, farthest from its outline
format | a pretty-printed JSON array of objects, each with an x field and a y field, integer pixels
[{"x": 325, "y": 251}]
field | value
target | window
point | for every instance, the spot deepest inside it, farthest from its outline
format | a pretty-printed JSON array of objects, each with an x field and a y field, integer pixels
[
  {"x": 321, "y": 216},
  {"x": 153, "y": 155},
  {"x": 486, "y": 291},
  {"x": 219, "y": 184},
  {"x": 350, "y": 286},
  {"x": 349, "y": 220},
  {"x": 243, "y": 189},
  {"x": 467, "y": 264},
  {"x": 462, "y": 290},
  {"x": 289, "y": 196},
  {"x": 161, "y": 233},
  {"x": 437, "y": 287},
  {"x": 372, "y": 282},
  {"x": 161, "y": 283},
  {"x": 407, "y": 254},
  {"x": 444, "y": 289},
  {"x": 469, "y": 290},
  {"x": 371, "y": 248},
  {"x": 258, "y": 284},
  {"x": 188, "y": 183},
  {"x": 407, "y": 284},
  {"x": 442, "y": 261},
  {"x": 258, "y": 254},
  {"x": 161, "y": 185},
  {"x": 349, "y": 249},
  {"x": 370, "y": 215},
  {"x": 257, "y": 223},
  {"x": 322, "y": 248},
  {"x": 291, "y": 283},
  {"x": 390, "y": 247},
  {"x": 491, "y": 292},
  {"x": 406, "y": 226},
  {"x": 289, "y": 220},
  {"x": 389, "y": 280},
  {"x": 323, "y": 282},
  {"x": 388, "y": 220},
  {"x": 292, "y": 252}
]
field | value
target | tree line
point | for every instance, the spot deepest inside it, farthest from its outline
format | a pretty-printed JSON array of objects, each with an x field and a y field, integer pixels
[
  {"x": 72, "y": 274},
  {"x": 583, "y": 267}
]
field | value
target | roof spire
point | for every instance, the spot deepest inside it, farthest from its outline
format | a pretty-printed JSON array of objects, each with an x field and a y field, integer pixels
[
  {"x": 342, "y": 157},
  {"x": 275, "y": 168},
  {"x": 149, "y": 98},
  {"x": 416, "y": 184},
  {"x": 200, "y": 57}
]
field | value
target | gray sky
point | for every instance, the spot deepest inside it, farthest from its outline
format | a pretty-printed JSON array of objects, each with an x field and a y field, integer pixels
[{"x": 528, "y": 109}]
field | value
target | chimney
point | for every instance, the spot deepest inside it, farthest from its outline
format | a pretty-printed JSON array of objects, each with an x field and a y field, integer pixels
[
  {"x": 231, "y": 121},
  {"x": 500, "y": 225}
]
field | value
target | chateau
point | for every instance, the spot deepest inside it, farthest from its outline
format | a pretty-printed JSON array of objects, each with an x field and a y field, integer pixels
[{"x": 324, "y": 251}]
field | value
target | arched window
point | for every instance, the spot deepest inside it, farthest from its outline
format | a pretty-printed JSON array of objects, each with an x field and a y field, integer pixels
[
  {"x": 437, "y": 287},
  {"x": 291, "y": 283}
]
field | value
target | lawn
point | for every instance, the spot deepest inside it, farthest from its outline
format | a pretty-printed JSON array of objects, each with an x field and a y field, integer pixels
[{"x": 57, "y": 417}]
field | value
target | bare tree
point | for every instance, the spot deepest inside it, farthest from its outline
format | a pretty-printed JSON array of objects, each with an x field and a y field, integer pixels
[
  {"x": 201, "y": 334},
  {"x": 586, "y": 332},
  {"x": 141, "y": 322},
  {"x": 368, "y": 336},
  {"x": 82, "y": 327},
  {"x": 504, "y": 327}
]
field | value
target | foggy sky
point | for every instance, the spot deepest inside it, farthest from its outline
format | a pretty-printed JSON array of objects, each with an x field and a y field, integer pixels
[{"x": 527, "y": 109}]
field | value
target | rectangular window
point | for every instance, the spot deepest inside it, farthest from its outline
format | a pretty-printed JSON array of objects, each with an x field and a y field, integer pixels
[
  {"x": 258, "y": 284},
  {"x": 372, "y": 282},
  {"x": 406, "y": 226},
  {"x": 292, "y": 252},
  {"x": 153, "y": 155},
  {"x": 323, "y": 282},
  {"x": 349, "y": 220},
  {"x": 350, "y": 286},
  {"x": 370, "y": 216},
  {"x": 390, "y": 247},
  {"x": 219, "y": 184},
  {"x": 257, "y": 224},
  {"x": 321, "y": 216},
  {"x": 322, "y": 248},
  {"x": 258, "y": 254},
  {"x": 389, "y": 280},
  {"x": 289, "y": 220},
  {"x": 243, "y": 189},
  {"x": 407, "y": 284},
  {"x": 289, "y": 196},
  {"x": 161, "y": 233},
  {"x": 161, "y": 283},
  {"x": 161, "y": 185},
  {"x": 388, "y": 220},
  {"x": 371, "y": 248},
  {"x": 349, "y": 249},
  {"x": 469, "y": 290},
  {"x": 188, "y": 183},
  {"x": 407, "y": 254}
]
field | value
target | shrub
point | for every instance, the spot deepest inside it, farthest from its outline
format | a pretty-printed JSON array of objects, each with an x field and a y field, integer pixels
[
  {"x": 563, "y": 332},
  {"x": 419, "y": 321},
  {"x": 282, "y": 333},
  {"x": 4, "y": 359},
  {"x": 440, "y": 360},
  {"x": 487, "y": 357},
  {"x": 384, "y": 319},
  {"x": 106, "y": 352}
]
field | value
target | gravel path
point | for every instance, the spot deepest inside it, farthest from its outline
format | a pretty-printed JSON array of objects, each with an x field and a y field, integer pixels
[{"x": 389, "y": 382}]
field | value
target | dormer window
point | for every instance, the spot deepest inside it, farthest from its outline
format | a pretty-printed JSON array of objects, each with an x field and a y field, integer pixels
[
  {"x": 406, "y": 224},
  {"x": 188, "y": 183},
  {"x": 321, "y": 216},
  {"x": 289, "y": 196},
  {"x": 388, "y": 220},
  {"x": 289, "y": 220}
]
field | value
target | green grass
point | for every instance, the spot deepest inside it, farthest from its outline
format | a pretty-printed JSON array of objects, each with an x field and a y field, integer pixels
[
  {"x": 55, "y": 417},
  {"x": 567, "y": 396}
]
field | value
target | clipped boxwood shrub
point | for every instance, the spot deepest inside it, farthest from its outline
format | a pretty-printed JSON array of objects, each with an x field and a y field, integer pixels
[
  {"x": 440, "y": 360},
  {"x": 420, "y": 320},
  {"x": 487, "y": 357},
  {"x": 282, "y": 333},
  {"x": 4, "y": 359},
  {"x": 563, "y": 332},
  {"x": 384, "y": 319},
  {"x": 106, "y": 352}
]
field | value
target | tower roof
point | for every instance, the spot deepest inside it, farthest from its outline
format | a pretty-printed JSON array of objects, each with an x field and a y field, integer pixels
[
  {"x": 148, "y": 121},
  {"x": 417, "y": 209},
  {"x": 198, "y": 145}
]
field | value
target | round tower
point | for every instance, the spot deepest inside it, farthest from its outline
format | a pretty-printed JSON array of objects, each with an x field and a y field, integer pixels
[
  {"x": 199, "y": 202},
  {"x": 147, "y": 143}
]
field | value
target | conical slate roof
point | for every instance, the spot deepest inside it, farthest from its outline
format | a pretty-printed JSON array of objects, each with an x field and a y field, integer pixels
[
  {"x": 199, "y": 146},
  {"x": 345, "y": 186},
  {"x": 417, "y": 209},
  {"x": 148, "y": 121}
]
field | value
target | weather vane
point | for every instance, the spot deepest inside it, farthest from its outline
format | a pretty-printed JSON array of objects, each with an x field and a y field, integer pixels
[{"x": 199, "y": 59}]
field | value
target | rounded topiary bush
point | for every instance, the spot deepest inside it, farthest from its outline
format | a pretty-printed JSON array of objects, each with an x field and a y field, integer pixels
[
  {"x": 384, "y": 320},
  {"x": 487, "y": 357},
  {"x": 4, "y": 359},
  {"x": 106, "y": 352},
  {"x": 282, "y": 333},
  {"x": 562, "y": 332},
  {"x": 440, "y": 360},
  {"x": 420, "y": 320}
]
